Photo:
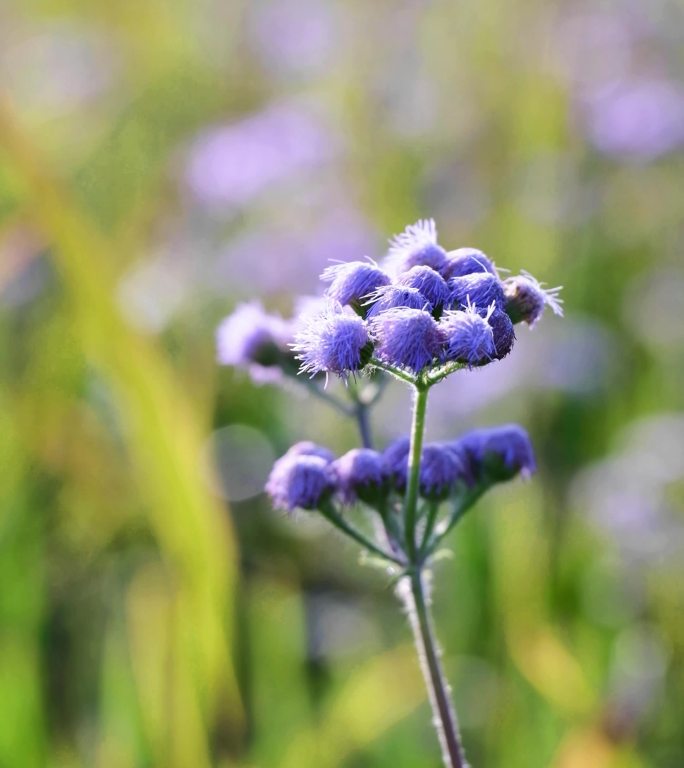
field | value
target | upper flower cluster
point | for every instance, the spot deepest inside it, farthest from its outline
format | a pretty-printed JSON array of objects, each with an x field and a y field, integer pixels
[{"x": 422, "y": 307}]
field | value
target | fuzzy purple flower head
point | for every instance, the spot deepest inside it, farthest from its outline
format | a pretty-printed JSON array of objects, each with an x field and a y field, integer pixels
[
  {"x": 499, "y": 453},
  {"x": 466, "y": 261},
  {"x": 428, "y": 282},
  {"x": 469, "y": 336},
  {"x": 300, "y": 480},
  {"x": 416, "y": 245},
  {"x": 526, "y": 299},
  {"x": 359, "y": 474},
  {"x": 440, "y": 469},
  {"x": 332, "y": 341},
  {"x": 353, "y": 281},
  {"x": 503, "y": 333},
  {"x": 408, "y": 338},
  {"x": 393, "y": 296},
  {"x": 480, "y": 288}
]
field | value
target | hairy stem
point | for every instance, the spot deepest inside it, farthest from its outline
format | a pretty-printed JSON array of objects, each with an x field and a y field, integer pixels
[
  {"x": 413, "y": 593},
  {"x": 413, "y": 478}
]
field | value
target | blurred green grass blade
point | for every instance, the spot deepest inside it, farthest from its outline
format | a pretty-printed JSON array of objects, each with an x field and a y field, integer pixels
[{"x": 163, "y": 431}]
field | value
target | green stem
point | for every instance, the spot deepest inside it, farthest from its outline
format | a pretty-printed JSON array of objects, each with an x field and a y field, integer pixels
[
  {"x": 342, "y": 525},
  {"x": 413, "y": 472},
  {"x": 438, "y": 689},
  {"x": 397, "y": 372}
]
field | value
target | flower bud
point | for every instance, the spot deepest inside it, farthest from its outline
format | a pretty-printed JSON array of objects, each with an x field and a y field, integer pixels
[
  {"x": 359, "y": 474},
  {"x": 479, "y": 288},
  {"x": 502, "y": 332},
  {"x": 441, "y": 467},
  {"x": 416, "y": 246},
  {"x": 526, "y": 299},
  {"x": 393, "y": 296},
  {"x": 332, "y": 341},
  {"x": 466, "y": 261},
  {"x": 469, "y": 336},
  {"x": 352, "y": 282},
  {"x": 299, "y": 481},
  {"x": 408, "y": 338},
  {"x": 428, "y": 282},
  {"x": 497, "y": 454}
]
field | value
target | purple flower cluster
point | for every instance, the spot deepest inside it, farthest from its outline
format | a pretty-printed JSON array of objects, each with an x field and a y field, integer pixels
[
  {"x": 308, "y": 475},
  {"x": 424, "y": 307}
]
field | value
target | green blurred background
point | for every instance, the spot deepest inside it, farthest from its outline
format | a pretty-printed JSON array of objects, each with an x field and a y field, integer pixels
[{"x": 161, "y": 161}]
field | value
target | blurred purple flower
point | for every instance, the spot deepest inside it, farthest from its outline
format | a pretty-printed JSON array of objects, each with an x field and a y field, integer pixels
[
  {"x": 440, "y": 468},
  {"x": 293, "y": 36},
  {"x": 233, "y": 164},
  {"x": 253, "y": 339},
  {"x": 643, "y": 119},
  {"x": 497, "y": 453},
  {"x": 300, "y": 251},
  {"x": 299, "y": 481},
  {"x": 359, "y": 473}
]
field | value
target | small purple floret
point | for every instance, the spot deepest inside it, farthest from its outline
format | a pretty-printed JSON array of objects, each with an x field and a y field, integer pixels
[
  {"x": 469, "y": 336},
  {"x": 466, "y": 261},
  {"x": 332, "y": 341},
  {"x": 480, "y": 288},
  {"x": 395, "y": 461},
  {"x": 498, "y": 453},
  {"x": 416, "y": 245},
  {"x": 353, "y": 281},
  {"x": 503, "y": 331},
  {"x": 409, "y": 338},
  {"x": 440, "y": 469},
  {"x": 393, "y": 296},
  {"x": 299, "y": 481},
  {"x": 428, "y": 282},
  {"x": 358, "y": 474},
  {"x": 526, "y": 299}
]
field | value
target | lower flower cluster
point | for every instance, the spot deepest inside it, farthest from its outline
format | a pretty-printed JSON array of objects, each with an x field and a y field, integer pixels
[{"x": 309, "y": 477}]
